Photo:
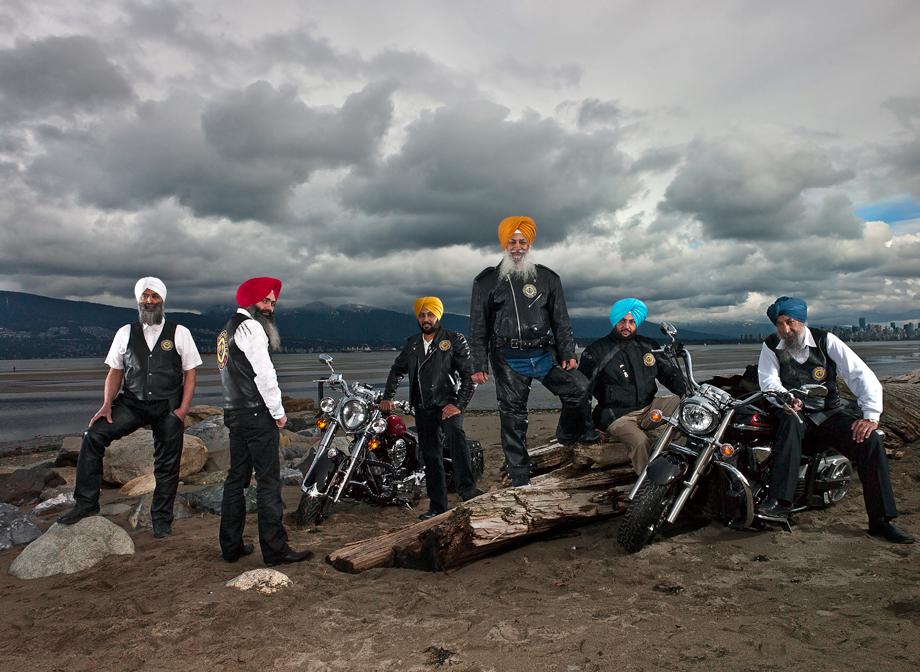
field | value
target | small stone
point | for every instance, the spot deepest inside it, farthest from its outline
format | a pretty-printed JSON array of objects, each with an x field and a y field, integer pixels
[
  {"x": 16, "y": 527},
  {"x": 291, "y": 476},
  {"x": 64, "y": 500},
  {"x": 209, "y": 499},
  {"x": 140, "y": 517},
  {"x": 266, "y": 581},
  {"x": 26, "y": 485},
  {"x": 69, "y": 451}
]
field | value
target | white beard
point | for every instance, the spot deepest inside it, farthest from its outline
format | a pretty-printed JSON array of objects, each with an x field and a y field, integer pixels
[
  {"x": 796, "y": 348},
  {"x": 522, "y": 270}
]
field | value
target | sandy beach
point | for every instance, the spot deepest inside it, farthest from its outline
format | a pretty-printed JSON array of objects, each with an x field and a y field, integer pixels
[{"x": 826, "y": 596}]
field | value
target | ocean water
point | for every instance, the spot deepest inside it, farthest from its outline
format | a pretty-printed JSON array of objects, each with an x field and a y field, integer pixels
[{"x": 59, "y": 396}]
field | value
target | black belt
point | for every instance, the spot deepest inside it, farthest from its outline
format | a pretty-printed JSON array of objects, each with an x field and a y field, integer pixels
[{"x": 520, "y": 344}]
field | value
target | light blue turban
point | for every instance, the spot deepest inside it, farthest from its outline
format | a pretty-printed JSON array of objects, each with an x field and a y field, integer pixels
[
  {"x": 638, "y": 309},
  {"x": 795, "y": 308}
]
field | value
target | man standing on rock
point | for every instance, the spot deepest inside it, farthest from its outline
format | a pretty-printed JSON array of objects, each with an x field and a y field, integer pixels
[
  {"x": 519, "y": 322},
  {"x": 440, "y": 386},
  {"x": 796, "y": 355},
  {"x": 254, "y": 415},
  {"x": 151, "y": 381}
]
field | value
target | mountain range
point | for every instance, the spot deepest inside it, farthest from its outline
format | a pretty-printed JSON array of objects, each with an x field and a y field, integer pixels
[{"x": 33, "y": 326}]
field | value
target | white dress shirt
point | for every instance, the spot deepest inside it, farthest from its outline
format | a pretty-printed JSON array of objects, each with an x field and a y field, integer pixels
[
  {"x": 854, "y": 371},
  {"x": 185, "y": 345},
  {"x": 251, "y": 338}
]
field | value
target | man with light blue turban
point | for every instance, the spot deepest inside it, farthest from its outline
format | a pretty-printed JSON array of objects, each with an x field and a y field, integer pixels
[{"x": 624, "y": 374}]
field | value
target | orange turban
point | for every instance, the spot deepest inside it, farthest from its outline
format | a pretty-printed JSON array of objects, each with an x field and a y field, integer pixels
[
  {"x": 431, "y": 303},
  {"x": 509, "y": 225}
]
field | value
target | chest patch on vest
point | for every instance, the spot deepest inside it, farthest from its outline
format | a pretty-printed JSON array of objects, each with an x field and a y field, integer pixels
[
  {"x": 444, "y": 345},
  {"x": 819, "y": 373},
  {"x": 167, "y": 345},
  {"x": 648, "y": 359},
  {"x": 529, "y": 290},
  {"x": 223, "y": 354}
]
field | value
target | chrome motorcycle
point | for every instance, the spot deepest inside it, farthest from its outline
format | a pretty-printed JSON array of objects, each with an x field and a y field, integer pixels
[{"x": 717, "y": 450}]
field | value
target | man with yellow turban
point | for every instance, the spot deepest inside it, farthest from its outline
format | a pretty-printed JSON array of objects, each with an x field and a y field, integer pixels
[
  {"x": 624, "y": 374},
  {"x": 440, "y": 387},
  {"x": 519, "y": 323}
]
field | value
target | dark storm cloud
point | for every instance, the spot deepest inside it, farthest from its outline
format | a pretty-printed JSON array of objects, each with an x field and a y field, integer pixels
[
  {"x": 58, "y": 75},
  {"x": 742, "y": 187},
  {"x": 658, "y": 159},
  {"x": 594, "y": 112},
  {"x": 463, "y": 168},
  {"x": 238, "y": 157}
]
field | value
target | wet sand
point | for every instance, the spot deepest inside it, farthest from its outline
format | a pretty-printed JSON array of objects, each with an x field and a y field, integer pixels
[{"x": 825, "y": 597}]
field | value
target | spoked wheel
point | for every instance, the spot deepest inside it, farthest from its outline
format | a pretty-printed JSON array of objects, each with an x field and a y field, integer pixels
[{"x": 643, "y": 517}]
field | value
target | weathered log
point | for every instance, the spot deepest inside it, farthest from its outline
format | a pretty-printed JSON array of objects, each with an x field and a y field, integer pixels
[{"x": 492, "y": 522}]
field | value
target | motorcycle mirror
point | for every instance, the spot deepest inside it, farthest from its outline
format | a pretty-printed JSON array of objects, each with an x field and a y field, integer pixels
[
  {"x": 327, "y": 360},
  {"x": 668, "y": 329}
]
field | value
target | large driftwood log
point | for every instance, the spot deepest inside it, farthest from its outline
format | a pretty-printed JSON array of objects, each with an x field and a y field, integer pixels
[{"x": 491, "y": 522}]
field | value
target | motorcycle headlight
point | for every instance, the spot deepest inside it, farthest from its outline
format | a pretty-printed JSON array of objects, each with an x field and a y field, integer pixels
[
  {"x": 353, "y": 413},
  {"x": 379, "y": 425},
  {"x": 327, "y": 405},
  {"x": 696, "y": 418}
]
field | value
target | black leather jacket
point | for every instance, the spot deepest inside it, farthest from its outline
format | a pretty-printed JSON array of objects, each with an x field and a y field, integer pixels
[
  {"x": 628, "y": 381},
  {"x": 442, "y": 377},
  {"x": 519, "y": 314}
]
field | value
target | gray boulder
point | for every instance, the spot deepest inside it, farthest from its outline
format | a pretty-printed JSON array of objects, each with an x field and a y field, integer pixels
[
  {"x": 26, "y": 485},
  {"x": 209, "y": 499},
  {"x": 291, "y": 476},
  {"x": 16, "y": 527},
  {"x": 140, "y": 517},
  {"x": 69, "y": 451},
  {"x": 132, "y": 456},
  {"x": 212, "y": 432},
  {"x": 66, "y": 549}
]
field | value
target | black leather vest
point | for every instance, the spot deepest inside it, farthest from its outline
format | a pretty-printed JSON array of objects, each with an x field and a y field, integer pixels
[
  {"x": 236, "y": 373},
  {"x": 153, "y": 375},
  {"x": 818, "y": 368}
]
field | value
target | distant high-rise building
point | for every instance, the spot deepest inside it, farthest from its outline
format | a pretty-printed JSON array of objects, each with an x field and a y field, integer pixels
[
  {"x": 893, "y": 325},
  {"x": 862, "y": 323}
]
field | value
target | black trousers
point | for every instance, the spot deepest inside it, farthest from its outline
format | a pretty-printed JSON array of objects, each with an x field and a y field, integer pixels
[
  {"x": 868, "y": 456},
  {"x": 427, "y": 421},
  {"x": 513, "y": 390},
  {"x": 254, "y": 439},
  {"x": 129, "y": 415}
]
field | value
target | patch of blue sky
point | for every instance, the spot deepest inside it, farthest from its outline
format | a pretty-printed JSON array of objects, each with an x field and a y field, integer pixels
[{"x": 890, "y": 212}]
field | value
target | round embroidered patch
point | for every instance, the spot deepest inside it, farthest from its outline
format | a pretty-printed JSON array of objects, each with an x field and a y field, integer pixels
[
  {"x": 223, "y": 354},
  {"x": 529, "y": 290},
  {"x": 444, "y": 345},
  {"x": 166, "y": 344},
  {"x": 649, "y": 359},
  {"x": 819, "y": 373}
]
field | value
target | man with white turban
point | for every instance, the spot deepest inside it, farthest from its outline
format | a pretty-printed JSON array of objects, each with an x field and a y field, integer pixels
[
  {"x": 440, "y": 371},
  {"x": 151, "y": 381},
  {"x": 624, "y": 375}
]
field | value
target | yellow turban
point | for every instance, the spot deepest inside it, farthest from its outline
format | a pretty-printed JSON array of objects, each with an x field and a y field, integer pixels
[
  {"x": 430, "y": 303},
  {"x": 509, "y": 225}
]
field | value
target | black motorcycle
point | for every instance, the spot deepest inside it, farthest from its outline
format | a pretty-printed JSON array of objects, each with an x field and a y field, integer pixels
[
  {"x": 717, "y": 450},
  {"x": 365, "y": 454}
]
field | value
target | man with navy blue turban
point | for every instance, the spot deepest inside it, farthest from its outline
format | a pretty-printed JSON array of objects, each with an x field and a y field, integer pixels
[
  {"x": 795, "y": 356},
  {"x": 624, "y": 373}
]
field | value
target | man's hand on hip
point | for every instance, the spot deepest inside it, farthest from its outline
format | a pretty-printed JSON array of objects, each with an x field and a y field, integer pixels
[{"x": 449, "y": 411}]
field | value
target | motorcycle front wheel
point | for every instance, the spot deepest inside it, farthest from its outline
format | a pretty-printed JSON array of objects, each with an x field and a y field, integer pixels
[
  {"x": 310, "y": 511},
  {"x": 644, "y": 516}
]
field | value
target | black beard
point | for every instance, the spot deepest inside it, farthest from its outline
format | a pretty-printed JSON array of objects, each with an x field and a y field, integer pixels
[
  {"x": 618, "y": 336},
  {"x": 267, "y": 320},
  {"x": 433, "y": 329},
  {"x": 151, "y": 317}
]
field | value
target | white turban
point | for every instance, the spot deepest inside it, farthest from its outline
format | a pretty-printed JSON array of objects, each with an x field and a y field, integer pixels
[{"x": 149, "y": 283}]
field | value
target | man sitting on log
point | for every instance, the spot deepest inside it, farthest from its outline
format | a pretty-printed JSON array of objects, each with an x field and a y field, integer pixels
[
  {"x": 624, "y": 374},
  {"x": 796, "y": 355},
  {"x": 440, "y": 386},
  {"x": 151, "y": 381}
]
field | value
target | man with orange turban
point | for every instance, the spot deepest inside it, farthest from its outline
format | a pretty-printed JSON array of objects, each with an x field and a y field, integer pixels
[
  {"x": 440, "y": 386},
  {"x": 519, "y": 323},
  {"x": 253, "y": 413}
]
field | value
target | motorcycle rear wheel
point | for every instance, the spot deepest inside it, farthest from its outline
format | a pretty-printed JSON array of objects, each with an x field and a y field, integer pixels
[{"x": 643, "y": 517}]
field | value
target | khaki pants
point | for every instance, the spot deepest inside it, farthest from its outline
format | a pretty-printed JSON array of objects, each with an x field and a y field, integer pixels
[{"x": 635, "y": 430}]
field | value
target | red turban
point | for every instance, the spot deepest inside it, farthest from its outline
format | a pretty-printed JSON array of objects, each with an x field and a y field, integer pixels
[
  {"x": 255, "y": 289},
  {"x": 509, "y": 225}
]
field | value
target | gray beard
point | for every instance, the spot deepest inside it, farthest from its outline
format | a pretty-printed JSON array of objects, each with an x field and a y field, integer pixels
[
  {"x": 795, "y": 349},
  {"x": 522, "y": 270},
  {"x": 268, "y": 324},
  {"x": 151, "y": 317}
]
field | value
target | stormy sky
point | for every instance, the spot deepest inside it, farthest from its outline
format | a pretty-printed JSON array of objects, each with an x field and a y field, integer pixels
[{"x": 705, "y": 157}]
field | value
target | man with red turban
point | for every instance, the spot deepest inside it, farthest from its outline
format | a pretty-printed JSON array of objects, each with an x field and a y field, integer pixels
[
  {"x": 440, "y": 386},
  {"x": 253, "y": 413},
  {"x": 151, "y": 381},
  {"x": 519, "y": 323}
]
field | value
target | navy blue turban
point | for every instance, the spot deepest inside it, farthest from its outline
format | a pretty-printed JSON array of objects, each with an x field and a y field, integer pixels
[
  {"x": 619, "y": 310},
  {"x": 795, "y": 308}
]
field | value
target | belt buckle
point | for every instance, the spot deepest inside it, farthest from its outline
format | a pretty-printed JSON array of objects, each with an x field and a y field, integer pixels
[{"x": 515, "y": 344}]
